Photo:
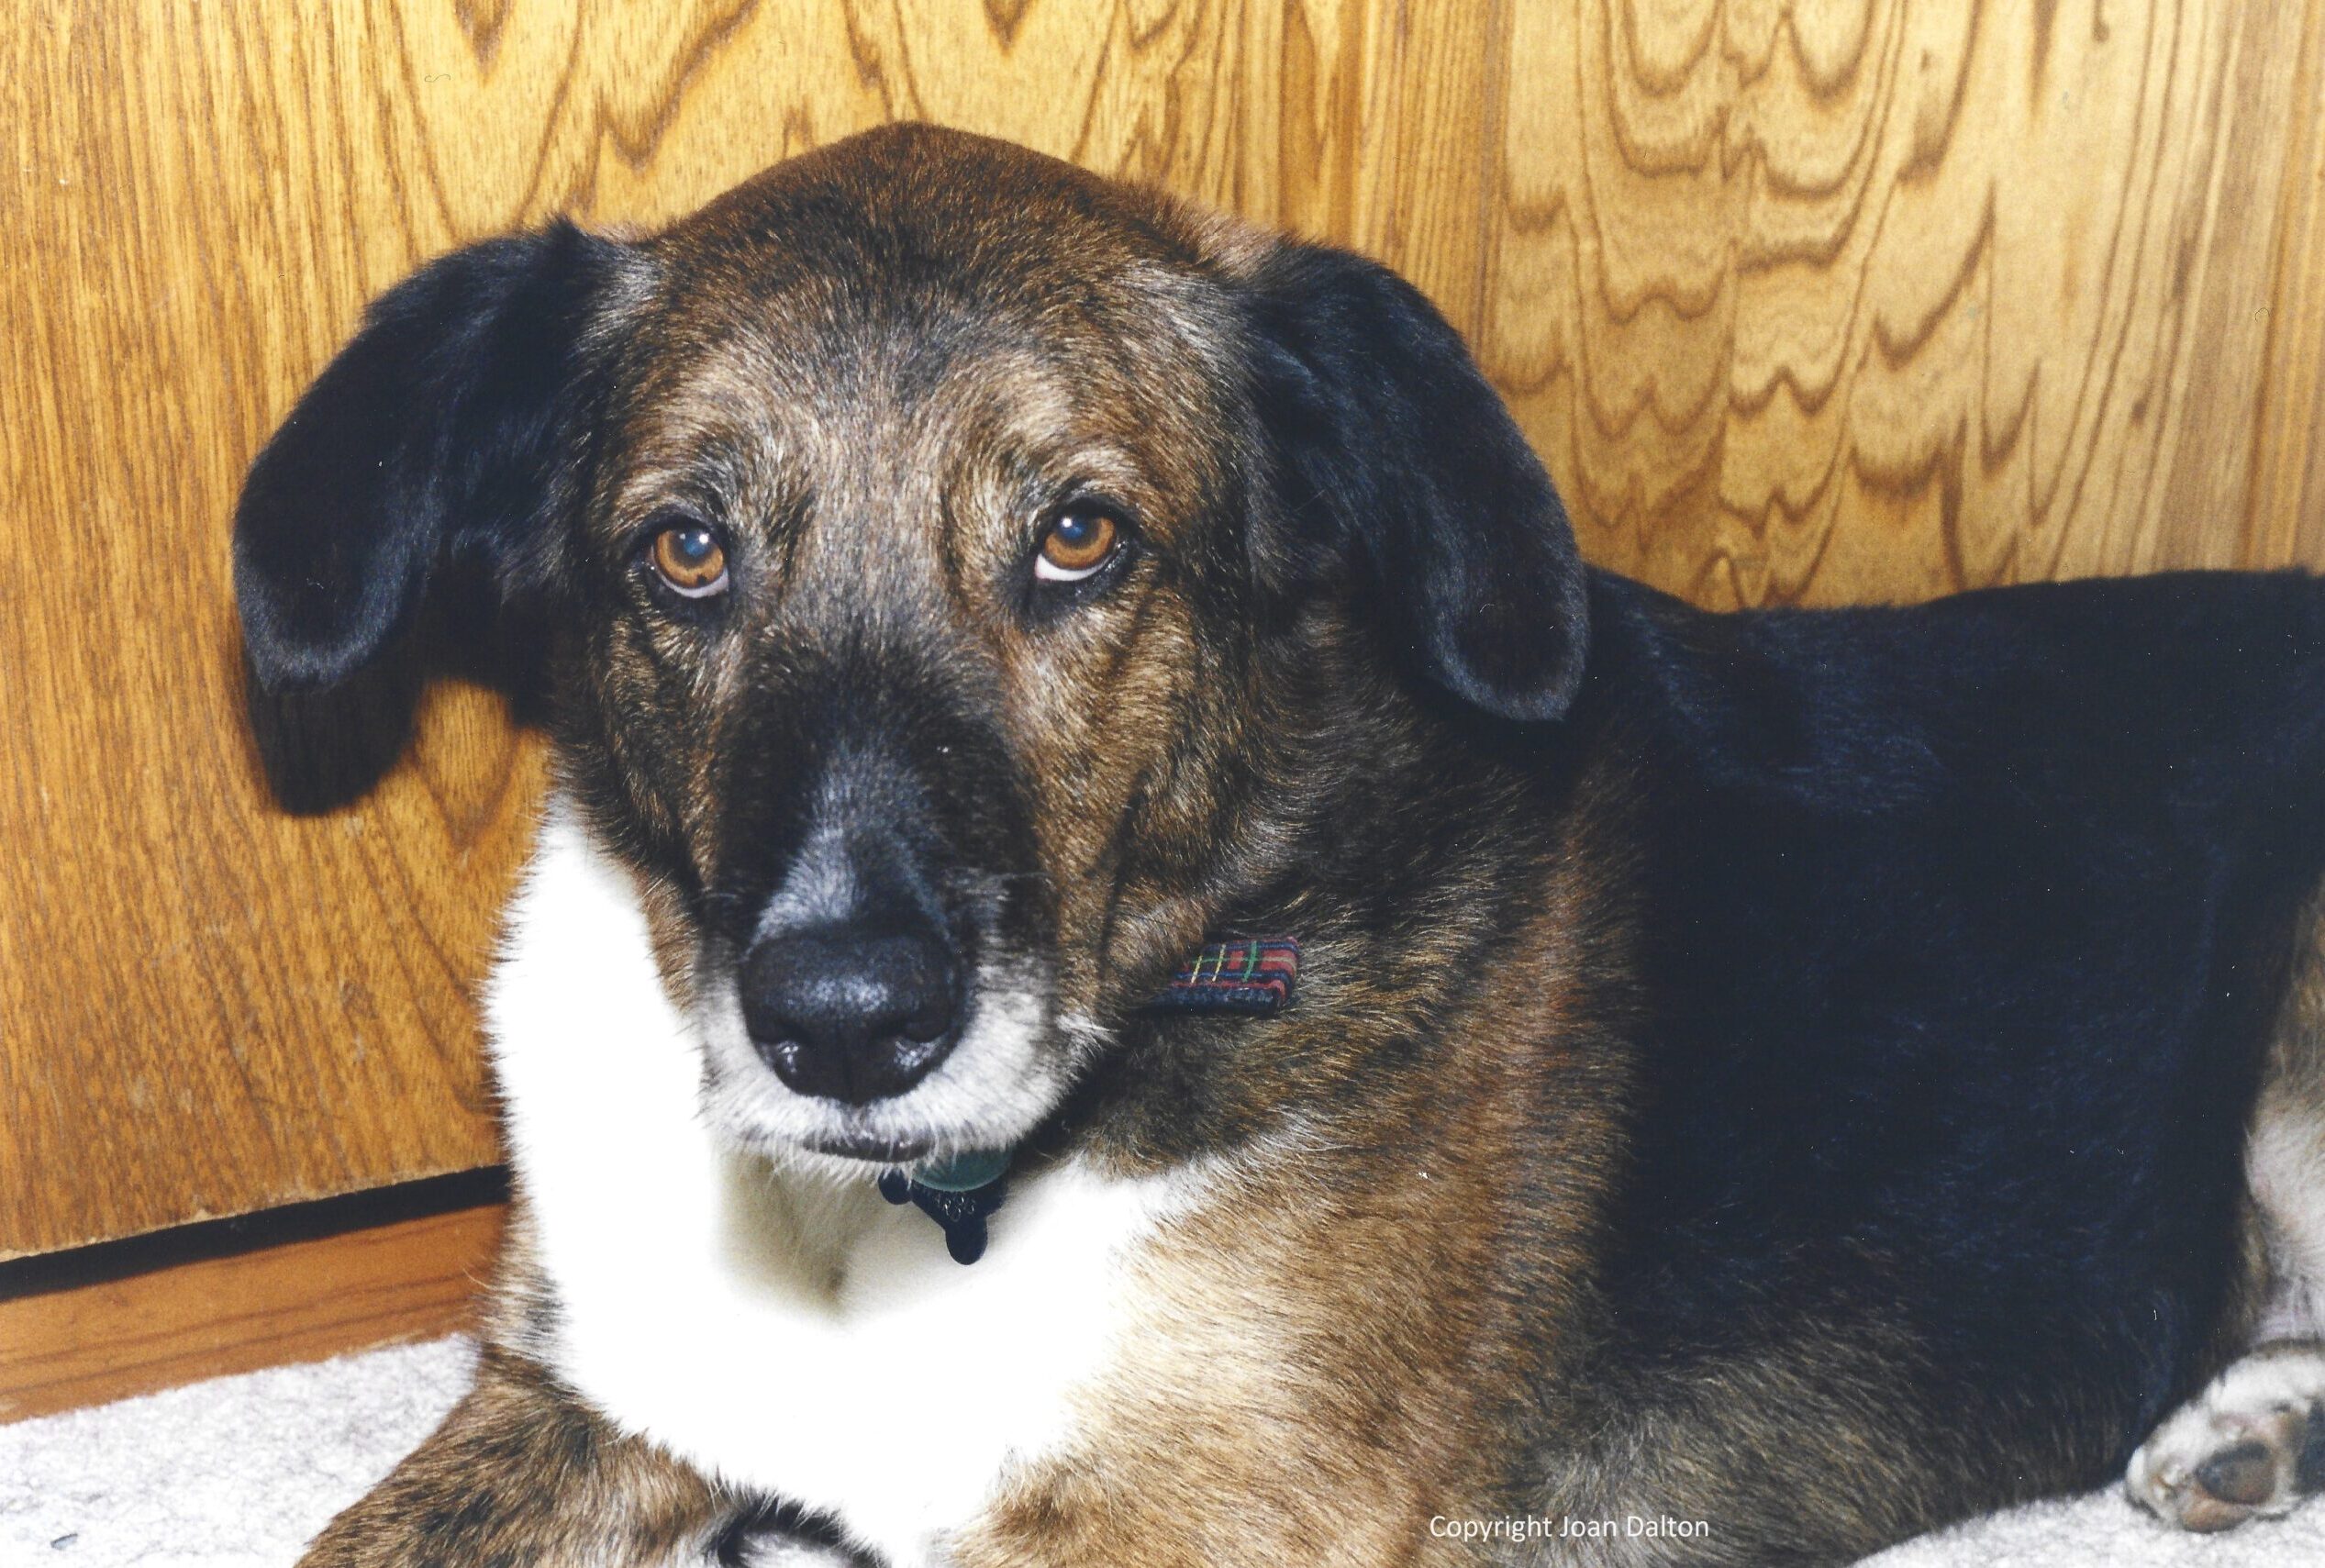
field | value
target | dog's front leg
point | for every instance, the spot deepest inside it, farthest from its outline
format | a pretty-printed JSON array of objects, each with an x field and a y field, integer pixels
[{"x": 521, "y": 1473}]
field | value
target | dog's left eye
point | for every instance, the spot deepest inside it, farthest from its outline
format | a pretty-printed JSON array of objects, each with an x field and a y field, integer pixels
[
  {"x": 689, "y": 558},
  {"x": 1076, "y": 545}
]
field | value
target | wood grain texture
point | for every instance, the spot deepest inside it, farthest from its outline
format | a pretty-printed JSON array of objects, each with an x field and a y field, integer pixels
[
  {"x": 1803, "y": 300},
  {"x": 1864, "y": 300},
  {"x": 416, "y": 1279}
]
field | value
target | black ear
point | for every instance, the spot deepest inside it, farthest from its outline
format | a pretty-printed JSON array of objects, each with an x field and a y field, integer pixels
[
  {"x": 1401, "y": 457},
  {"x": 444, "y": 432}
]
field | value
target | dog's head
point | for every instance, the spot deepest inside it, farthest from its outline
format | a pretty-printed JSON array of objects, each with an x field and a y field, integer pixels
[{"x": 945, "y": 557}]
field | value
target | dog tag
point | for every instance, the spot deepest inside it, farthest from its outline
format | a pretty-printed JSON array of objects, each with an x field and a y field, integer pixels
[{"x": 960, "y": 1194}]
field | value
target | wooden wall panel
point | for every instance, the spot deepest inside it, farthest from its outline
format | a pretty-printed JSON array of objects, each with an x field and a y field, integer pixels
[
  {"x": 1824, "y": 300},
  {"x": 389, "y": 1283},
  {"x": 1863, "y": 299}
]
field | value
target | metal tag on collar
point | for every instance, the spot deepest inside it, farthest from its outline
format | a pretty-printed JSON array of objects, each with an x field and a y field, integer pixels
[{"x": 960, "y": 1194}]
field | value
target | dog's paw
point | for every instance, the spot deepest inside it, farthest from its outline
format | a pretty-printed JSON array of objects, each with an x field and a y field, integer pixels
[{"x": 2251, "y": 1444}]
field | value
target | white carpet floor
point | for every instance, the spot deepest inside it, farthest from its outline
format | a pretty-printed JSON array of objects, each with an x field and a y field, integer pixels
[{"x": 239, "y": 1473}]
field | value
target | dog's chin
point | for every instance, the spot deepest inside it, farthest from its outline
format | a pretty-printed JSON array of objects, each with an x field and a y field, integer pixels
[
  {"x": 797, "y": 1132},
  {"x": 877, "y": 1151},
  {"x": 845, "y": 1154},
  {"x": 1009, "y": 1074}
]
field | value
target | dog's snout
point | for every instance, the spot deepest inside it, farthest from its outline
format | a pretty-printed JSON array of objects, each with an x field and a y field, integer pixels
[
  {"x": 854, "y": 1011},
  {"x": 855, "y": 976}
]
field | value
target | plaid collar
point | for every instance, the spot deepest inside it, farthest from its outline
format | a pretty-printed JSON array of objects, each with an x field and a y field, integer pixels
[{"x": 1253, "y": 975}]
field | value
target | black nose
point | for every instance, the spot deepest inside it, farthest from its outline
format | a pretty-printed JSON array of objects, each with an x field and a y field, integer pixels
[{"x": 851, "y": 1011}]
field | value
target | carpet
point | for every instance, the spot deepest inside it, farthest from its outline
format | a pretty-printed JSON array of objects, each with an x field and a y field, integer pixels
[{"x": 240, "y": 1471}]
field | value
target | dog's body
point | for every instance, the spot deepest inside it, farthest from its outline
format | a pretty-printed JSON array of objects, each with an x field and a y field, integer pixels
[{"x": 1758, "y": 1086}]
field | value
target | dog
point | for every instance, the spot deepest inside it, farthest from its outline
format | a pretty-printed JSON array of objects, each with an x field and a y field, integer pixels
[{"x": 1131, "y": 961}]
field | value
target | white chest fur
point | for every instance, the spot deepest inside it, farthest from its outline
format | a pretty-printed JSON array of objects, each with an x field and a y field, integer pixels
[{"x": 705, "y": 1302}]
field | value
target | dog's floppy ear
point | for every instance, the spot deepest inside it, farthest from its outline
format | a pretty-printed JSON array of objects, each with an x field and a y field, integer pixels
[
  {"x": 1402, "y": 457},
  {"x": 442, "y": 433}
]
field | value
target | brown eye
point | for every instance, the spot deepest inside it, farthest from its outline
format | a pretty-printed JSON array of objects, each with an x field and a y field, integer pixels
[
  {"x": 1075, "y": 546},
  {"x": 689, "y": 558}
]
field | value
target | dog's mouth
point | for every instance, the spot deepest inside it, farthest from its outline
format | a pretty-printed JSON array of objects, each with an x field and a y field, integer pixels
[
  {"x": 1008, "y": 1071},
  {"x": 883, "y": 1152}
]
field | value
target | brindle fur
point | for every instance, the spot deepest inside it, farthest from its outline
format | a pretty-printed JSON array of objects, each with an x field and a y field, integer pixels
[
  {"x": 1412, "y": 1301},
  {"x": 520, "y": 1472}
]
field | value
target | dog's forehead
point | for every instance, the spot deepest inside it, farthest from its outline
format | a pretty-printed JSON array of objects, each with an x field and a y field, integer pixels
[
  {"x": 912, "y": 234},
  {"x": 952, "y": 178},
  {"x": 920, "y": 289}
]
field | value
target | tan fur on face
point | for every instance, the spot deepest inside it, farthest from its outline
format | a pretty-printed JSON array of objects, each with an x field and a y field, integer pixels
[{"x": 877, "y": 483}]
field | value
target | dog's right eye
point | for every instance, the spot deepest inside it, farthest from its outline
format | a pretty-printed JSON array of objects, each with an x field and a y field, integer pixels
[
  {"x": 688, "y": 558},
  {"x": 1076, "y": 545}
]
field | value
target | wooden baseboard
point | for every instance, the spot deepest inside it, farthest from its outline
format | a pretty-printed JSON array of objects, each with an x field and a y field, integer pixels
[{"x": 76, "y": 1344}]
